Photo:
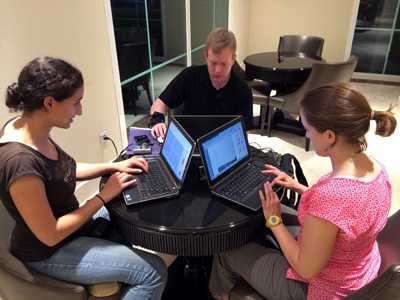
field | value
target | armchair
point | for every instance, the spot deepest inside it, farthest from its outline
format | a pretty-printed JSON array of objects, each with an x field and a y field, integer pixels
[
  {"x": 385, "y": 287},
  {"x": 19, "y": 283},
  {"x": 321, "y": 74}
]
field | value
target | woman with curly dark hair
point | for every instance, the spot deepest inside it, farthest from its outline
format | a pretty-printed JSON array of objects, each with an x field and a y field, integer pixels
[{"x": 37, "y": 185}]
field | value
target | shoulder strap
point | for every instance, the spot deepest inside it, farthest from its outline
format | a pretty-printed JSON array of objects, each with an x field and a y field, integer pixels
[{"x": 299, "y": 171}]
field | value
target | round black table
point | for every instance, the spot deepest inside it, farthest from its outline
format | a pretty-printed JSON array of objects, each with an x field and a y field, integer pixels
[
  {"x": 194, "y": 224},
  {"x": 278, "y": 70}
]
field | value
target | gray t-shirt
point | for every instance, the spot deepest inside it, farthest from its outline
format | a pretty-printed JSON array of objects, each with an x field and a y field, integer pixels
[{"x": 59, "y": 178}]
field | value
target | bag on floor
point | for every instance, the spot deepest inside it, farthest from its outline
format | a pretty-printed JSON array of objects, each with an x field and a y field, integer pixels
[{"x": 291, "y": 166}]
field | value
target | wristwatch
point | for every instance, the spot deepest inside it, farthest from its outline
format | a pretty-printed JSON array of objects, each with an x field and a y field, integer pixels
[{"x": 273, "y": 221}]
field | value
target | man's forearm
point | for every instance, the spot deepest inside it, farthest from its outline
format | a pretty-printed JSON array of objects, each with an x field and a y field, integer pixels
[{"x": 159, "y": 106}]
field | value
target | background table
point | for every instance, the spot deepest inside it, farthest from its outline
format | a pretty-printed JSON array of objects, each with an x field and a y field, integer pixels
[{"x": 278, "y": 70}]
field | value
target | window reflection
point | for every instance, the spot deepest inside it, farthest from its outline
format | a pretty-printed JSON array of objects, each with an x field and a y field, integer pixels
[
  {"x": 376, "y": 13},
  {"x": 370, "y": 46},
  {"x": 393, "y": 65},
  {"x": 375, "y": 40}
]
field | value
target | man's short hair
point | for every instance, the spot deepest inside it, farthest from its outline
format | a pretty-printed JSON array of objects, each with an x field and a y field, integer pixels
[{"x": 220, "y": 38}]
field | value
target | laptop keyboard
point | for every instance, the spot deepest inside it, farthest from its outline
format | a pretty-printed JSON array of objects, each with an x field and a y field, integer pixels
[
  {"x": 243, "y": 183},
  {"x": 154, "y": 182}
]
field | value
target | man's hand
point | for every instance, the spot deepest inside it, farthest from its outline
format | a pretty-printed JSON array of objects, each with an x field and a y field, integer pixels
[{"x": 158, "y": 130}]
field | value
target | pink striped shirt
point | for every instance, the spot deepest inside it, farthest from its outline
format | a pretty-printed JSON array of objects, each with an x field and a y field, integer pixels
[{"x": 360, "y": 210}]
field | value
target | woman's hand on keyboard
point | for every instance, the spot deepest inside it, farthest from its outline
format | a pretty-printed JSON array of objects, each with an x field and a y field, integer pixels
[
  {"x": 116, "y": 184},
  {"x": 281, "y": 178},
  {"x": 132, "y": 165}
]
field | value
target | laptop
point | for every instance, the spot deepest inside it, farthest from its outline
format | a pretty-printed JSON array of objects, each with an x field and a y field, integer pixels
[
  {"x": 167, "y": 170},
  {"x": 226, "y": 157},
  {"x": 198, "y": 125}
]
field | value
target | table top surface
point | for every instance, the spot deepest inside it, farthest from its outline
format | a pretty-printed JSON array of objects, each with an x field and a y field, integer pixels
[
  {"x": 273, "y": 61},
  {"x": 194, "y": 210},
  {"x": 194, "y": 223}
]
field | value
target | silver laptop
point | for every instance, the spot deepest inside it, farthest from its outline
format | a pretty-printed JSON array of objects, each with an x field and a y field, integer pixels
[
  {"x": 167, "y": 170},
  {"x": 226, "y": 158}
]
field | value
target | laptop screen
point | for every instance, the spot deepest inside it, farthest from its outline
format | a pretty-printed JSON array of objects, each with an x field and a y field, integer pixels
[
  {"x": 177, "y": 150},
  {"x": 224, "y": 149},
  {"x": 198, "y": 125}
]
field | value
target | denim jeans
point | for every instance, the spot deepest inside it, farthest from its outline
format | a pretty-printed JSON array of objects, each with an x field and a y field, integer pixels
[{"x": 87, "y": 260}]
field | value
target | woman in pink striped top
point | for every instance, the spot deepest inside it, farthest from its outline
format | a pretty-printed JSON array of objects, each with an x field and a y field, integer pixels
[{"x": 340, "y": 216}]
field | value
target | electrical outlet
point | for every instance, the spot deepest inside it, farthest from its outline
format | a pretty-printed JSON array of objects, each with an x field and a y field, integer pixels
[{"x": 102, "y": 136}]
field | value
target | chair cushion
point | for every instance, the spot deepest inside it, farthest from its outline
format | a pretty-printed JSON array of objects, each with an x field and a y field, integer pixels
[
  {"x": 12, "y": 265},
  {"x": 384, "y": 287}
]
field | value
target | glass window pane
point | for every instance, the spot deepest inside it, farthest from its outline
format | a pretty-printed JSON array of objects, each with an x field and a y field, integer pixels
[
  {"x": 163, "y": 76},
  {"x": 130, "y": 37},
  {"x": 205, "y": 15},
  {"x": 198, "y": 57},
  {"x": 221, "y": 13},
  {"x": 376, "y": 13},
  {"x": 370, "y": 47},
  {"x": 136, "y": 95},
  {"x": 167, "y": 29},
  {"x": 393, "y": 64},
  {"x": 201, "y": 20}
]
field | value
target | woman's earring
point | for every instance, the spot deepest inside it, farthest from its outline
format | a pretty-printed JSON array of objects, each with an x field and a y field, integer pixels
[{"x": 327, "y": 148}]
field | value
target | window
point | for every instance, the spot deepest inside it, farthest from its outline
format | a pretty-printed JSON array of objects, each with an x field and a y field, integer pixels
[
  {"x": 150, "y": 37},
  {"x": 377, "y": 37}
]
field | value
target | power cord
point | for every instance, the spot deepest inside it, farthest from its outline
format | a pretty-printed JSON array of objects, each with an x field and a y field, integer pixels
[
  {"x": 107, "y": 138},
  {"x": 123, "y": 151}
]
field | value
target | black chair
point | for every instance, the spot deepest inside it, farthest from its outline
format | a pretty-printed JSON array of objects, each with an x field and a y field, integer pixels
[
  {"x": 301, "y": 45},
  {"x": 385, "y": 287},
  {"x": 260, "y": 90}
]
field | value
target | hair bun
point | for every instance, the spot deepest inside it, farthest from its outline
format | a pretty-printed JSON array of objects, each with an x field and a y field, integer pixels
[{"x": 14, "y": 97}]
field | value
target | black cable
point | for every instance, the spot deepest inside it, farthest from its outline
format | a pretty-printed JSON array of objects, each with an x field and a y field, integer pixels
[
  {"x": 126, "y": 148},
  {"x": 107, "y": 138}
]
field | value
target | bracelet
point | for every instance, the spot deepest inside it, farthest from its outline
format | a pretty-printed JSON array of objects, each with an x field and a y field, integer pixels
[
  {"x": 101, "y": 199},
  {"x": 156, "y": 118}
]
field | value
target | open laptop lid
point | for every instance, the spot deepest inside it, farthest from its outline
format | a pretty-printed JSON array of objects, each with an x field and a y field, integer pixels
[
  {"x": 198, "y": 125},
  {"x": 177, "y": 150},
  {"x": 224, "y": 149}
]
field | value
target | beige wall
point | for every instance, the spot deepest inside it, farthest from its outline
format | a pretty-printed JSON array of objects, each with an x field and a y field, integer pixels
[
  {"x": 238, "y": 22},
  {"x": 77, "y": 31},
  {"x": 269, "y": 19}
]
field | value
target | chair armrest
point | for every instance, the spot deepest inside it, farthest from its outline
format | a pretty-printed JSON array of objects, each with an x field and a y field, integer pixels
[
  {"x": 384, "y": 287},
  {"x": 14, "y": 287}
]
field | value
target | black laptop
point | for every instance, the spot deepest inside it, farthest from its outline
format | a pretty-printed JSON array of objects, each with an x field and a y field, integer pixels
[
  {"x": 198, "y": 125},
  {"x": 226, "y": 157},
  {"x": 167, "y": 170}
]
